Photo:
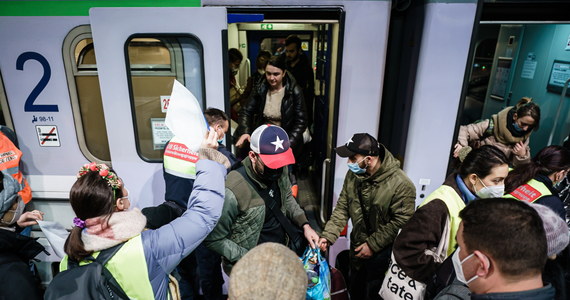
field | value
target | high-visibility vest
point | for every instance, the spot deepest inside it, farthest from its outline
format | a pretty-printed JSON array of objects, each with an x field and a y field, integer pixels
[
  {"x": 16, "y": 192},
  {"x": 530, "y": 191},
  {"x": 454, "y": 204},
  {"x": 129, "y": 268},
  {"x": 179, "y": 160}
]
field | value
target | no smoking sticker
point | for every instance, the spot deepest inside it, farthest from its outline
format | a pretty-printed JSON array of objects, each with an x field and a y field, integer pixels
[{"x": 48, "y": 136}]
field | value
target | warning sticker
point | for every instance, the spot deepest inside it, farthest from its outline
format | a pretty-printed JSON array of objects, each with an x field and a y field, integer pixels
[{"x": 48, "y": 136}]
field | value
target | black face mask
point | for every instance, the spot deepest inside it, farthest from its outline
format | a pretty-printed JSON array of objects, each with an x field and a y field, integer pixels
[
  {"x": 271, "y": 174},
  {"x": 267, "y": 174}
]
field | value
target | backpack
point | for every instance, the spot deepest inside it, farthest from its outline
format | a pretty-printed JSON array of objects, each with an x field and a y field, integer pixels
[{"x": 90, "y": 281}]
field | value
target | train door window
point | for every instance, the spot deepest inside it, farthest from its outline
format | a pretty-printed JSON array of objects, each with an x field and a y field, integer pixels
[
  {"x": 83, "y": 82},
  {"x": 154, "y": 63},
  {"x": 5, "y": 118}
]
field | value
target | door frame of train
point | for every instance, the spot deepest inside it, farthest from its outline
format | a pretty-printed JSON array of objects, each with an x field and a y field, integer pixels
[{"x": 112, "y": 66}]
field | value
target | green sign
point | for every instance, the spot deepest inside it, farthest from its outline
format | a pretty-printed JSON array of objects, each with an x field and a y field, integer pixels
[{"x": 265, "y": 26}]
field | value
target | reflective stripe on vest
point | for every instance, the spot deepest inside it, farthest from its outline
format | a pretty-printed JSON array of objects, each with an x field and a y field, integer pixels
[
  {"x": 129, "y": 268},
  {"x": 530, "y": 191},
  {"x": 179, "y": 160},
  {"x": 454, "y": 204}
]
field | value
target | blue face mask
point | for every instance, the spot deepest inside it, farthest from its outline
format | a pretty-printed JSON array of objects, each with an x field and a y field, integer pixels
[
  {"x": 354, "y": 167},
  {"x": 517, "y": 128}
]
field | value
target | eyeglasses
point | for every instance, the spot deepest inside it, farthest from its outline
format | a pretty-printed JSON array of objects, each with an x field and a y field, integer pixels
[{"x": 127, "y": 196}]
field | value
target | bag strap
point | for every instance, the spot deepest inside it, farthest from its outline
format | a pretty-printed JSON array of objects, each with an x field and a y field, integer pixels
[
  {"x": 104, "y": 256},
  {"x": 440, "y": 253},
  {"x": 269, "y": 202}
]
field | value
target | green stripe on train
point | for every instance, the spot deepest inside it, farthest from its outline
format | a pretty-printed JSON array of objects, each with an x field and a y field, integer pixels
[{"x": 80, "y": 8}]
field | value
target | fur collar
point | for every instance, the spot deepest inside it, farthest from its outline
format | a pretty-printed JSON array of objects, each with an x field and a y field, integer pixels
[{"x": 123, "y": 226}]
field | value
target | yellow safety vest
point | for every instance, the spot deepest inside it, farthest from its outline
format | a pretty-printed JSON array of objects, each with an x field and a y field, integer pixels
[
  {"x": 454, "y": 204},
  {"x": 179, "y": 160},
  {"x": 129, "y": 268},
  {"x": 530, "y": 191}
]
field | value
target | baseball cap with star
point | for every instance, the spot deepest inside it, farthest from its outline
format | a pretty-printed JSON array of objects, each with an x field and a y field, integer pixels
[{"x": 272, "y": 144}]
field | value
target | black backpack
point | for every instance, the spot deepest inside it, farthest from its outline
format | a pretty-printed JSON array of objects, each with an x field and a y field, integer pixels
[{"x": 91, "y": 281}]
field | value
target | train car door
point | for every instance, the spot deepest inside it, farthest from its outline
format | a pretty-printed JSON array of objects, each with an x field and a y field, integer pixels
[{"x": 140, "y": 51}]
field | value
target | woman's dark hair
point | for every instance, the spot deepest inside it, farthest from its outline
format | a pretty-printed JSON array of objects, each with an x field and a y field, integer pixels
[
  {"x": 278, "y": 62},
  {"x": 234, "y": 55},
  {"x": 526, "y": 107},
  {"x": 90, "y": 196},
  {"x": 547, "y": 161},
  {"x": 480, "y": 161}
]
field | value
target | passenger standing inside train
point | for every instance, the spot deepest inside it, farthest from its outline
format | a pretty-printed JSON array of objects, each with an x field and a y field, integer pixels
[
  {"x": 101, "y": 202},
  {"x": 534, "y": 182},
  {"x": 277, "y": 101},
  {"x": 256, "y": 78},
  {"x": 179, "y": 175},
  {"x": 258, "y": 200},
  {"x": 502, "y": 250},
  {"x": 379, "y": 199},
  {"x": 508, "y": 130},
  {"x": 563, "y": 187},
  {"x": 234, "y": 58},
  {"x": 481, "y": 175},
  {"x": 17, "y": 249},
  {"x": 299, "y": 66}
]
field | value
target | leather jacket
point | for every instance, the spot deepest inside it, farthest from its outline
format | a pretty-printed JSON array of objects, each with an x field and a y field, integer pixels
[{"x": 293, "y": 110}]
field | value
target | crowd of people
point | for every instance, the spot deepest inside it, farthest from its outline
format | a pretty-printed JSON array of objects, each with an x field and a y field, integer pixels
[{"x": 495, "y": 229}]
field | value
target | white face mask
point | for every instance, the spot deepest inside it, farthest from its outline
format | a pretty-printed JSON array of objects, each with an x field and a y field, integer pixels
[
  {"x": 494, "y": 191},
  {"x": 458, "y": 266}
]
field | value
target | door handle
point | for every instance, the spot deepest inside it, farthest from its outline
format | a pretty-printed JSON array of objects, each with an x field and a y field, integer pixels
[
  {"x": 558, "y": 112},
  {"x": 326, "y": 164}
]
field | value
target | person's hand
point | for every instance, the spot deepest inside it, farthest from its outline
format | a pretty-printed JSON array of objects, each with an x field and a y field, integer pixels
[
  {"x": 363, "y": 251},
  {"x": 311, "y": 235},
  {"x": 519, "y": 149},
  {"x": 242, "y": 139},
  {"x": 323, "y": 244},
  {"x": 456, "y": 150},
  {"x": 211, "y": 140},
  {"x": 30, "y": 218}
]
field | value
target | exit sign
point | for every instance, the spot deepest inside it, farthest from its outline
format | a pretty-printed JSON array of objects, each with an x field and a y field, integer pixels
[{"x": 266, "y": 26}]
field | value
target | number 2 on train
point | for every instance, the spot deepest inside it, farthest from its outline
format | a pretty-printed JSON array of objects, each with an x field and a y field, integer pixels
[{"x": 29, "y": 105}]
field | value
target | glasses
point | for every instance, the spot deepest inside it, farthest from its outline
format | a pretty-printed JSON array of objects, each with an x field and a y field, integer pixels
[{"x": 127, "y": 196}]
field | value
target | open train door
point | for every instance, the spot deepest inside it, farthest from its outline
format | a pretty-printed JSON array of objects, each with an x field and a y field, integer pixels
[{"x": 139, "y": 52}]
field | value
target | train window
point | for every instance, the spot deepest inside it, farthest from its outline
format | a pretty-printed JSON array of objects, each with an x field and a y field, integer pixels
[
  {"x": 83, "y": 82},
  {"x": 154, "y": 62},
  {"x": 5, "y": 118}
]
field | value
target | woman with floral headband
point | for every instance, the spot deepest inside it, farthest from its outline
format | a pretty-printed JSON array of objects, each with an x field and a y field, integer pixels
[{"x": 101, "y": 202}]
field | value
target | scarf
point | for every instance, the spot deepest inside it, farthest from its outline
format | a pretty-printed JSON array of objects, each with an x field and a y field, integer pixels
[
  {"x": 503, "y": 126},
  {"x": 466, "y": 194},
  {"x": 124, "y": 225}
]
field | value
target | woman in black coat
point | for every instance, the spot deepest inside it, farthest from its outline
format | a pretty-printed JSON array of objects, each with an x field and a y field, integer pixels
[{"x": 277, "y": 100}]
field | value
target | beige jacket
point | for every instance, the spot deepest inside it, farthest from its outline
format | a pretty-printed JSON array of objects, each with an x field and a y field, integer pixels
[{"x": 474, "y": 135}]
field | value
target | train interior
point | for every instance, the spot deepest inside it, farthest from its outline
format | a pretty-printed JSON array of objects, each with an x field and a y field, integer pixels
[{"x": 320, "y": 43}]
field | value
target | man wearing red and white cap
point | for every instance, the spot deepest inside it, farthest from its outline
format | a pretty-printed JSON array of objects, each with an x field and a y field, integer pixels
[{"x": 258, "y": 205}]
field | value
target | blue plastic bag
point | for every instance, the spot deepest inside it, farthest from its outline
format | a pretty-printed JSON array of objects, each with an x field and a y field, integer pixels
[{"x": 318, "y": 275}]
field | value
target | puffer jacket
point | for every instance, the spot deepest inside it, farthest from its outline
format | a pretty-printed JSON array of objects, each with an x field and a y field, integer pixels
[
  {"x": 478, "y": 134},
  {"x": 293, "y": 111},
  {"x": 388, "y": 197},
  {"x": 162, "y": 254},
  {"x": 243, "y": 215}
]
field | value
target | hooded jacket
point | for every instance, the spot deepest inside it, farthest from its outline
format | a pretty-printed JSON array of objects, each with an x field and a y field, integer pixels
[
  {"x": 498, "y": 134},
  {"x": 388, "y": 197},
  {"x": 293, "y": 110}
]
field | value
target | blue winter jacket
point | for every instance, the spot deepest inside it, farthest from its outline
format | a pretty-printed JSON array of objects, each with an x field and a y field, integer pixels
[{"x": 202, "y": 214}]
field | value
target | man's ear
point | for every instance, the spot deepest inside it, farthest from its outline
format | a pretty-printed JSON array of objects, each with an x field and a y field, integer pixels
[
  {"x": 251, "y": 155},
  {"x": 515, "y": 116},
  {"x": 484, "y": 268}
]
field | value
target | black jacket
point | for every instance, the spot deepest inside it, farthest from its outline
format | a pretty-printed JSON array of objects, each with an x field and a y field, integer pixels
[
  {"x": 293, "y": 111},
  {"x": 15, "y": 252}
]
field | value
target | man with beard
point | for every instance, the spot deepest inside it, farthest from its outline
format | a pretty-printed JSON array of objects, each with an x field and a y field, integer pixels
[
  {"x": 258, "y": 205},
  {"x": 300, "y": 67}
]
